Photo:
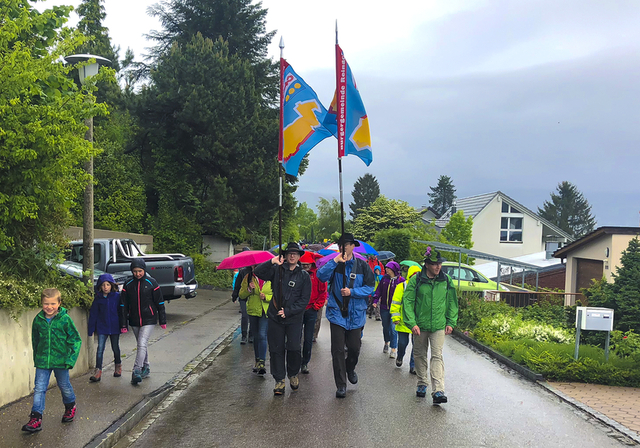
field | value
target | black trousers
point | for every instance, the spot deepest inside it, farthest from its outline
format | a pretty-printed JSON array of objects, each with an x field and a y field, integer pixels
[
  {"x": 339, "y": 338},
  {"x": 284, "y": 338}
]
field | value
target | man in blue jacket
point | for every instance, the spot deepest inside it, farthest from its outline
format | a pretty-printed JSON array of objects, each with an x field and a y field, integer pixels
[{"x": 351, "y": 283}]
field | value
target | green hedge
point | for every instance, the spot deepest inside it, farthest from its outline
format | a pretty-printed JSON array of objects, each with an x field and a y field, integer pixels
[{"x": 208, "y": 275}]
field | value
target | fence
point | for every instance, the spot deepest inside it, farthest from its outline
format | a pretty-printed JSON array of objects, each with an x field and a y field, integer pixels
[{"x": 520, "y": 299}]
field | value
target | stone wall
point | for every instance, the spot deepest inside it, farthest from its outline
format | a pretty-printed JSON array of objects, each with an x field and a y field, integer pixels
[{"x": 17, "y": 372}]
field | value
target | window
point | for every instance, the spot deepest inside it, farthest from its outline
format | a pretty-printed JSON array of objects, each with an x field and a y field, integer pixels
[{"x": 511, "y": 224}]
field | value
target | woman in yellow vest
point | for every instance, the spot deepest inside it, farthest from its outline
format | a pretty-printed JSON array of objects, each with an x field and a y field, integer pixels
[
  {"x": 396, "y": 318},
  {"x": 258, "y": 294}
]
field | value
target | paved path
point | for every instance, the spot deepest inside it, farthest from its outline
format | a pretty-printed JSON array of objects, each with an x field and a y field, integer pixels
[{"x": 490, "y": 406}]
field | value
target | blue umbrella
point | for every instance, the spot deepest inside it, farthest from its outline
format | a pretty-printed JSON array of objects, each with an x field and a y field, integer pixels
[
  {"x": 326, "y": 252},
  {"x": 365, "y": 248},
  {"x": 385, "y": 255}
]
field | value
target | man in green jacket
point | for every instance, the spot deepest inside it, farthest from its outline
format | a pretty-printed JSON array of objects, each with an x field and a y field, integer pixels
[{"x": 430, "y": 310}]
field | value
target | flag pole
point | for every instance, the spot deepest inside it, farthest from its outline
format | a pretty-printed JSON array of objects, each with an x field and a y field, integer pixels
[
  {"x": 280, "y": 169},
  {"x": 341, "y": 97}
]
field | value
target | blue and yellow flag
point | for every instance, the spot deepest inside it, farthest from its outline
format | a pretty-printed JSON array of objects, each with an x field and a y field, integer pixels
[
  {"x": 301, "y": 118},
  {"x": 347, "y": 118}
]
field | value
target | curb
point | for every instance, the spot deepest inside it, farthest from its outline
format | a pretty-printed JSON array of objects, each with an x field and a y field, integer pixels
[
  {"x": 522, "y": 370},
  {"x": 172, "y": 389}
]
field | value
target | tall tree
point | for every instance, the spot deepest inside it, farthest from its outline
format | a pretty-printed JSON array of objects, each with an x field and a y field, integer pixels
[
  {"x": 458, "y": 232},
  {"x": 307, "y": 222},
  {"x": 384, "y": 214},
  {"x": 442, "y": 195},
  {"x": 328, "y": 218},
  {"x": 569, "y": 210},
  {"x": 365, "y": 191}
]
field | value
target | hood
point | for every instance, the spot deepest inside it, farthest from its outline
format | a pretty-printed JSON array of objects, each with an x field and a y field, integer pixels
[
  {"x": 138, "y": 263},
  {"x": 413, "y": 270},
  {"x": 105, "y": 278},
  {"x": 395, "y": 267}
]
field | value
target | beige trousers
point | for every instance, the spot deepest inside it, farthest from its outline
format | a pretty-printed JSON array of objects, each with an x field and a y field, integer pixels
[{"x": 420, "y": 353}]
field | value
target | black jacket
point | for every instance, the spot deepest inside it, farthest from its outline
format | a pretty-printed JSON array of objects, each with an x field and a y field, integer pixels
[
  {"x": 242, "y": 273},
  {"x": 141, "y": 303},
  {"x": 296, "y": 290}
]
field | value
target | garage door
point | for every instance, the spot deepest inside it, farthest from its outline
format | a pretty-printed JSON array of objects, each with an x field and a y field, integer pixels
[{"x": 587, "y": 271}]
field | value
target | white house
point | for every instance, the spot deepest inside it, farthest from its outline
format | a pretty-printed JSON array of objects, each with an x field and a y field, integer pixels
[{"x": 504, "y": 227}]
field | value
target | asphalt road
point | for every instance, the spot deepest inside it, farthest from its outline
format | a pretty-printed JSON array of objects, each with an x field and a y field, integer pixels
[{"x": 489, "y": 406}]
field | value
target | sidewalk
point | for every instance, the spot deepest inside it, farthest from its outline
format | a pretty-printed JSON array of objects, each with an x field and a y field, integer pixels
[
  {"x": 195, "y": 328},
  {"x": 616, "y": 406}
]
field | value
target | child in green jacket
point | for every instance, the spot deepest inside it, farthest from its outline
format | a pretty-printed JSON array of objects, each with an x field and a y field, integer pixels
[{"x": 56, "y": 346}]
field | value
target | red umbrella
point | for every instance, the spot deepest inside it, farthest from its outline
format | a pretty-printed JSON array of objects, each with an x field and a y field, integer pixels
[{"x": 246, "y": 258}]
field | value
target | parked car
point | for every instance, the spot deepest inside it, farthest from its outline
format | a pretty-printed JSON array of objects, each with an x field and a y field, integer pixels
[
  {"x": 175, "y": 273},
  {"x": 74, "y": 269},
  {"x": 470, "y": 278}
]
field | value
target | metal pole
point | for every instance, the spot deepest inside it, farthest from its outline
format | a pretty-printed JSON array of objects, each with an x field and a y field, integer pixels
[
  {"x": 606, "y": 347},
  {"x": 87, "y": 214},
  {"x": 537, "y": 278},
  {"x": 459, "y": 267},
  {"x": 577, "y": 350},
  {"x": 498, "y": 285},
  {"x": 523, "y": 271}
]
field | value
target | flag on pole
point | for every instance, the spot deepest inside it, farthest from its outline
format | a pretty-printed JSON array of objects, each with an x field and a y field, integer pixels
[
  {"x": 347, "y": 118},
  {"x": 301, "y": 119}
]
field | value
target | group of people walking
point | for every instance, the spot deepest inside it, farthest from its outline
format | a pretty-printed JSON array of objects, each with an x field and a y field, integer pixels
[{"x": 292, "y": 292}]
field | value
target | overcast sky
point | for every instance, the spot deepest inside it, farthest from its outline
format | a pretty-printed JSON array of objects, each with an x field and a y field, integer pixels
[{"x": 515, "y": 96}]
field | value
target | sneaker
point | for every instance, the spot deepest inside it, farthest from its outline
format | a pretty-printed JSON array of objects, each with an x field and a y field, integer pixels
[
  {"x": 261, "y": 368},
  {"x": 136, "y": 377},
  {"x": 118, "y": 371},
  {"x": 35, "y": 423},
  {"x": 412, "y": 370},
  {"x": 352, "y": 377},
  {"x": 378, "y": 319},
  {"x": 393, "y": 353},
  {"x": 399, "y": 361},
  {"x": 69, "y": 412},
  {"x": 421, "y": 391},
  {"x": 314, "y": 339},
  {"x": 385, "y": 349},
  {"x": 255, "y": 367},
  {"x": 146, "y": 370},
  {"x": 243, "y": 340},
  {"x": 294, "y": 382},
  {"x": 341, "y": 392},
  {"x": 97, "y": 374},
  {"x": 304, "y": 369},
  {"x": 439, "y": 397},
  {"x": 279, "y": 389}
]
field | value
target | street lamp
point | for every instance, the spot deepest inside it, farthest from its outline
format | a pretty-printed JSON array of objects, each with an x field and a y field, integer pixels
[{"x": 84, "y": 73}]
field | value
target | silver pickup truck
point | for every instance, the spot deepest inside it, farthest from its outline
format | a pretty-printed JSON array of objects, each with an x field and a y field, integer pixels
[{"x": 174, "y": 273}]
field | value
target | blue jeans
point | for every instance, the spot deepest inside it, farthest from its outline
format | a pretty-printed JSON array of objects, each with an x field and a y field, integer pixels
[
  {"x": 403, "y": 342},
  {"x": 42, "y": 382},
  {"x": 115, "y": 346},
  {"x": 388, "y": 329},
  {"x": 259, "y": 326},
  {"x": 308, "y": 328}
]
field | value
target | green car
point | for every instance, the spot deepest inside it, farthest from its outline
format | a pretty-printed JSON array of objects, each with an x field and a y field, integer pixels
[{"x": 470, "y": 278}]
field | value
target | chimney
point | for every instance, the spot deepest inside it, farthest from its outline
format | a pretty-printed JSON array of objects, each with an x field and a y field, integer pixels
[{"x": 453, "y": 208}]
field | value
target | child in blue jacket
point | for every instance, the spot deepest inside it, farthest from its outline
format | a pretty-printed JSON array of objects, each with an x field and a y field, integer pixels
[{"x": 103, "y": 320}]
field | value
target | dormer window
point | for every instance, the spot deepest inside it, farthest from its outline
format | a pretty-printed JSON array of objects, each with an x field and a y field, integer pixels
[{"x": 511, "y": 224}]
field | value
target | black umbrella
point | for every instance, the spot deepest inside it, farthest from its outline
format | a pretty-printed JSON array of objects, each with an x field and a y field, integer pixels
[{"x": 385, "y": 255}]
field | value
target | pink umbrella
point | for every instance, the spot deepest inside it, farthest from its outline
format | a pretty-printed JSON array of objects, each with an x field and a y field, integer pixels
[
  {"x": 246, "y": 258},
  {"x": 322, "y": 261}
]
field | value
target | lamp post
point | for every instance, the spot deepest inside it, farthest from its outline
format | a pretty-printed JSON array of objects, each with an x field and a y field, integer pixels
[{"x": 84, "y": 73}]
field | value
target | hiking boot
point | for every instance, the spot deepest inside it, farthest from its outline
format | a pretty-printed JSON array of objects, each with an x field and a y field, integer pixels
[
  {"x": 294, "y": 382},
  {"x": 69, "y": 412},
  {"x": 243, "y": 340},
  {"x": 261, "y": 368},
  {"x": 255, "y": 367},
  {"x": 146, "y": 370},
  {"x": 35, "y": 423},
  {"x": 279, "y": 389},
  {"x": 421, "y": 391},
  {"x": 378, "y": 319},
  {"x": 341, "y": 392},
  {"x": 412, "y": 370},
  {"x": 136, "y": 377},
  {"x": 439, "y": 397},
  {"x": 352, "y": 377},
  {"x": 385, "y": 349},
  {"x": 304, "y": 369},
  {"x": 393, "y": 353},
  {"x": 97, "y": 374},
  {"x": 118, "y": 371},
  {"x": 399, "y": 361}
]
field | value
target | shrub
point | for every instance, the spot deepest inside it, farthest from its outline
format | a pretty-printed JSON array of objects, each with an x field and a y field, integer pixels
[
  {"x": 514, "y": 328},
  {"x": 625, "y": 344},
  {"x": 472, "y": 309},
  {"x": 207, "y": 274}
]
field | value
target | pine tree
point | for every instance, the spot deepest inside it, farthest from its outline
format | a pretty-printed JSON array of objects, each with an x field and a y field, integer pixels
[
  {"x": 626, "y": 288},
  {"x": 365, "y": 191},
  {"x": 442, "y": 195},
  {"x": 569, "y": 210}
]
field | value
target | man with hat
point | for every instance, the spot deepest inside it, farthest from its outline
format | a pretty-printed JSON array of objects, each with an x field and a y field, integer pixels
[
  {"x": 351, "y": 283},
  {"x": 430, "y": 310},
  {"x": 291, "y": 292}
]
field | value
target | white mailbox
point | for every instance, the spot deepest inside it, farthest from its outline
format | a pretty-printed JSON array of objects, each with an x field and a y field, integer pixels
[{"x": 592, "y": 318}]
